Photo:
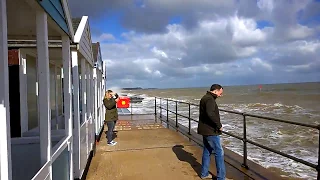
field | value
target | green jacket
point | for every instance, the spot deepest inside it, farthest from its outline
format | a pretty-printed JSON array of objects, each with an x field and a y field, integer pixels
[{"x": 111, "y": 109}]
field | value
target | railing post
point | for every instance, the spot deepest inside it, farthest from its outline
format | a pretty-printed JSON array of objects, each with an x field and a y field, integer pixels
[
  {"x": 245, "y": 165},
  {"x": 155, "y": 106},
  {"x": 131, "y": 108},
  {"x": 176, "y": 113},
  {"x": 167, "y": 110},
  {"x": 189, "y": 121},
  {"x": 160, "y": 109}
]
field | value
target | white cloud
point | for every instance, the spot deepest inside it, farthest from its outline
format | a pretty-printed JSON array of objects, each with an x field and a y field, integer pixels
[
  {"x": 245, "y": 32},
  {"x": 104, "y": 37},
  {"x": 258, "y": 63},
  {"x": 266, "y": 5},
  {"x": 309, "y": 46},
  {"x": 300, "y": 32},
  {"x": 159, "y": 52},
  {"x": 298, "y": 67}
]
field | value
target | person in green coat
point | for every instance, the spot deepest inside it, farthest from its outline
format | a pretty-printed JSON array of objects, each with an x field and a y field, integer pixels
[{"x": 111, "y": 115}]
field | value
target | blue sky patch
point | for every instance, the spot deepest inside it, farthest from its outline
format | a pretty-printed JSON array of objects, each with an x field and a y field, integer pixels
[
  {"x": 175, "y": 20},
  {"x": 139, "y": 3},
  {"x": 263, "y": 23},
  {"x": 111, "y": 25}
]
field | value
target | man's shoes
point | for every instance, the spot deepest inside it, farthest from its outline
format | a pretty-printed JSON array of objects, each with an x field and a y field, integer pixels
[
  {"x": 112, "y": 143},
  {"x": 207, "y": 177},
  {"x": 210, "y": 177}
]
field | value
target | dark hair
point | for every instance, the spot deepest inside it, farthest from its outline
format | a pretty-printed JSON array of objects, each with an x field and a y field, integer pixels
[
  {"x": 215, "y": 87},
  {"x": 109, "y": 91}
]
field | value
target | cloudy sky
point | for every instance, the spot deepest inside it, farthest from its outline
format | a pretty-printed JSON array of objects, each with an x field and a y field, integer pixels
[{"x": 192, "y": 43}]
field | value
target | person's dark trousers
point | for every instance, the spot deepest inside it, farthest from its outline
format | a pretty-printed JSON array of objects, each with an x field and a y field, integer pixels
[
  {"x": 110, "y": 125},
  {"x": 115, "y": 123}
]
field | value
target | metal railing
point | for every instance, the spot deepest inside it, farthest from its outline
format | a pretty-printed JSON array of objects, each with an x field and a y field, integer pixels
[
  {"x": 134, "y": 107},
  {"x": 244, "y": 138}
]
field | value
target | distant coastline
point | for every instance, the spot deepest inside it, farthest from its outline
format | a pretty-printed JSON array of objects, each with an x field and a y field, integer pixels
[{"x": 137, "y": 88}]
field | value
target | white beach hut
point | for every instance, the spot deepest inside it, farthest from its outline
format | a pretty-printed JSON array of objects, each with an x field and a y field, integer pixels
[{"x": 42, "y": 134}]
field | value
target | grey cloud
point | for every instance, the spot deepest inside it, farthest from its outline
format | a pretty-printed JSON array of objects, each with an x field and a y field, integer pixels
[
  {"x": 310, "y": 68},
  {"x": 297, "y": 53},
  {"x": 152, "y": 21},
  {"x": 152, "y": 16},
  {"x": 155, "y": 14},
  {"x": 312, "y": 9},
  {"x": 216, "y": 42},
  {"x": 97, "y": 8}
]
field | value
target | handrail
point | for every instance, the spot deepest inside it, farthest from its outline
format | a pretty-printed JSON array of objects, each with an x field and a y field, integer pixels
[
  {"x": 60, "y": 147},
  {"x": 252, "y": 115},
  {"x": 244, "y": 138},
  {"x": 43, "y": 172}
]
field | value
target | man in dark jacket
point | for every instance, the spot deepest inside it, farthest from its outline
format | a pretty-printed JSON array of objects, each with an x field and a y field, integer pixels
[{"x": 210, "y": 128}]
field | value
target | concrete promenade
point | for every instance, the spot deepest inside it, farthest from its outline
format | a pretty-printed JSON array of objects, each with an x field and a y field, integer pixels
[{"x": 146, "y": 149}]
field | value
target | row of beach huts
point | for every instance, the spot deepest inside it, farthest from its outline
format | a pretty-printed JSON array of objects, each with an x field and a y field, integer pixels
[{"x": 52, "y": 82}]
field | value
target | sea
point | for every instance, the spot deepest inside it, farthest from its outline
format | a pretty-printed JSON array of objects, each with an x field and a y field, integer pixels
[{"x": 298, "y": 102}]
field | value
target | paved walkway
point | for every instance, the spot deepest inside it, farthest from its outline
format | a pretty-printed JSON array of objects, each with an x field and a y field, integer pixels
[{"x": 146, "y": 150}]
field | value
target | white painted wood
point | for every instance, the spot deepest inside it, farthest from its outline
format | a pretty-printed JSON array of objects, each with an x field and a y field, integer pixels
[
  {"x": 5, "y": 141},
  {"x": 85, "y": 43},
  {"x": 101, "y": 101},
  {"x": 68, "y": 18},
  {"x": 101, "y": 98},
  {"x": 88, "y": 69},
  {"x": 56, "y": 124},
  {"x": 44, "y": 88},
  {"x": 76, "y": 115},
  {"x": 84, "y": 100},
  {"x": 98, "y": 97},
  {"x": 70, "y": 148},
  {"x": 80, "y": 29},
  {"x": 103, "y": 91},
  {"x": 83, "y": 37},
  {"x": 95, "y": 98},
  {"x": 67, "y": 97},
  {"x": 88, "y": 109},
  {"x": 91, "y": 92},
  {"x": 92, "y": 108},
  {"x": 23, "y": 92},
  {"x": 83, "y": 90},
  {"x": 67, "y": 85},
  {"x": 44, "y": 172},
  {"x": 60, "y": 147},
  {"x": 61, "y": 83}
]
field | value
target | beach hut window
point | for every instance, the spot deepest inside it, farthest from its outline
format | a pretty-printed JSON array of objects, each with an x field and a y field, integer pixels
[
  {"x": 59, "y": 91},
  {"x": 52, "y": 91},
  {"x": 32, "y": 92}
]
